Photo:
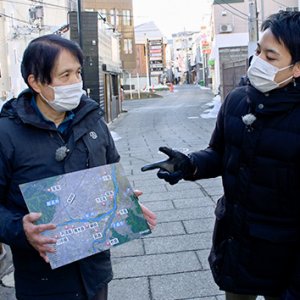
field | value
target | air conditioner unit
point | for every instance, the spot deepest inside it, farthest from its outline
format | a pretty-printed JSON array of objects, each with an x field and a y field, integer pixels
[{"x": 226, "y": 28}]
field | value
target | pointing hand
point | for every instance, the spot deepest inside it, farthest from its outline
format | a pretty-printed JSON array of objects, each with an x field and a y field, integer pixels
[{"x": 178, "y": 166}]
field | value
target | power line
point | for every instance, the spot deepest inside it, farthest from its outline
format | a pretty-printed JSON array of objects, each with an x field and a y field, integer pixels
[
  {"x": 102, "y": 16},
  {"x": 279, "y": 3},
  {"x": 232, "y": 12},
  {"x": 242, "y": 13},
  {"x": 39, "y": 2},
  {"x": 56, "y": 6},
  {"x": 63, "y": 7},
  {"x": 13, "y": 18},
  {"x": 46, "y": 4}
]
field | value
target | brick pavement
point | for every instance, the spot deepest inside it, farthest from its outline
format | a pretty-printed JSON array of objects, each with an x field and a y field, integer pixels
[{"x": 171, "y": 263}]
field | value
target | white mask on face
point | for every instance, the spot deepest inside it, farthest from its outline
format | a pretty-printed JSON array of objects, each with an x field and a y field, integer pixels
[
  {"x": 66, "y": 97},
  {"x": 262, "y": 74}
]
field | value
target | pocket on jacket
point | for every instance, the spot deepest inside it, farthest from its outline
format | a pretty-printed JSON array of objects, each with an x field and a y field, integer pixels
[
  {"x": 220, "y": 241},
  {"x": 224, "y": 262},
  {"x": 220, "y": 227}
]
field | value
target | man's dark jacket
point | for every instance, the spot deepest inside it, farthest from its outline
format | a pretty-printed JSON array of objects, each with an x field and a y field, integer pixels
[
  {"x": 27, "y": 152},
  {"x": 257, "y": 231}
]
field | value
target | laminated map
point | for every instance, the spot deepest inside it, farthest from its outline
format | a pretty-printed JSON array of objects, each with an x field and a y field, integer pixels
[{"x": 93, "y": 210}]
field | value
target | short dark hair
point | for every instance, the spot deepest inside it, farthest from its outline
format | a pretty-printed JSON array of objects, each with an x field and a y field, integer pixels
[
  {"x": 285, "y": 26},
  {"x": 41, "y": 53}
]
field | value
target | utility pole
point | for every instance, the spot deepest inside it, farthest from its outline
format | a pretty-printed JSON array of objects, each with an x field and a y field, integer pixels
[
  {"x": 79, "y": 30},
  {"x": 262, "y": 10},
  {"x": 147, "y": 65},
  {"x": 79, "y": 27},
  {"x": 187, "y": 57},
  {"x": 252, "y": 27},
  {"x": 115, "y": 19}
]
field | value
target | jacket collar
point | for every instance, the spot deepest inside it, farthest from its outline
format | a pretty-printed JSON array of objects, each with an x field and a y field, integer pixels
[{"x": 276, "y": 101}]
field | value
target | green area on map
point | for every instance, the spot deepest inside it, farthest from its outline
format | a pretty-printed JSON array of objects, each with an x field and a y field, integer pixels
[{"x": 93, "y": 210}]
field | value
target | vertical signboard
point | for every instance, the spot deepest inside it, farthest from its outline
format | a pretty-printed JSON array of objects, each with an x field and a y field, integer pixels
[{"x": 156, "y": 57}]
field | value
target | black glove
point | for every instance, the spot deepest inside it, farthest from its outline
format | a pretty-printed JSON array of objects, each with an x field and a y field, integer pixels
[{"x": 178, "y": 166}]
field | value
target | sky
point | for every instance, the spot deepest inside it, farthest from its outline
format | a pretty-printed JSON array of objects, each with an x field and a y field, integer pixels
[{"x": 171, "y": 16}]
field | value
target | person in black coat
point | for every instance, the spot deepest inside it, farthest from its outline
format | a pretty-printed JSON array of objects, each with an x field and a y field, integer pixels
[
  {"x": 255, "y": 147},
  {"x": 52, "y": 128}
]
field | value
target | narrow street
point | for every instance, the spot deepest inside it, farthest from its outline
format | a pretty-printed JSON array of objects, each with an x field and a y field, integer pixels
[{"x": 171, "y": 263}]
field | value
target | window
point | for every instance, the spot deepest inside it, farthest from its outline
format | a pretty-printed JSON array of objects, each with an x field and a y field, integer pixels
[
  {"x": 72, "y": 5},
  {"x": 114, "y": 19},
  {"x": 36, "y": 13},
  {"x": 127, "y": 46},
  {"x": 291, "y": 9},
  {"x": 126, "y": 17}
]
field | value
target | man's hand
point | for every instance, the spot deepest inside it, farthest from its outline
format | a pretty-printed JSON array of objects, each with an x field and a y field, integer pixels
[
  {"x": 178, "y": 166},
  {"x": 149, "y": 215},
  {"x": 34, "y": 236}
]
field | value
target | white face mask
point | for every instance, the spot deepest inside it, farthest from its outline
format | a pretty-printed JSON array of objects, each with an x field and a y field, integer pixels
[
  {"x": 262, "y": 74},
  {"x": 66, "y": 97}
]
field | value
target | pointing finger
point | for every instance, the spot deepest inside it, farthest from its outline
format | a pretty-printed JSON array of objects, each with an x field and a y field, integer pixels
[
  {"x": 166, "y": 150},
  {"x": 153, "y": 166}
]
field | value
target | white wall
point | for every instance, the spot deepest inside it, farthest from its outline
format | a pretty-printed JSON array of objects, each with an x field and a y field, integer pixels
[
  {"x": 224, "y": 41},
  {"x": 142, "y": 82}
]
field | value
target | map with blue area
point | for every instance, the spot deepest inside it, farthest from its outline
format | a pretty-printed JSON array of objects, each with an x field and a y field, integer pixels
[{"x": 93, "y": 210}]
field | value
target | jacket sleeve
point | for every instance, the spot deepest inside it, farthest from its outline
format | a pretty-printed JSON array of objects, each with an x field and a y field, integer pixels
[
  {"x": 11, "y": 222},
  {"x": 209, "y": 161},
  {"x": 112, "y": 155}
]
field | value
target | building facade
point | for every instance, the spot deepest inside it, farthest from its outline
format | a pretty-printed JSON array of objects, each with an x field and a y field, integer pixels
[
  {"x": 187, "y": 57},
  {"x": 119, "y": 15},
  {"x": 102, "y": 63},
  {"x": 230, "y": 37},
  {"x": 150, "y": 46}
]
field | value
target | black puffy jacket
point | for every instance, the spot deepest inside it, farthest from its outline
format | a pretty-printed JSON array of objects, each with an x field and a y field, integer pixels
[
  {"x": 257, "y": 231},
  {"x": 27, "y": 152}
]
